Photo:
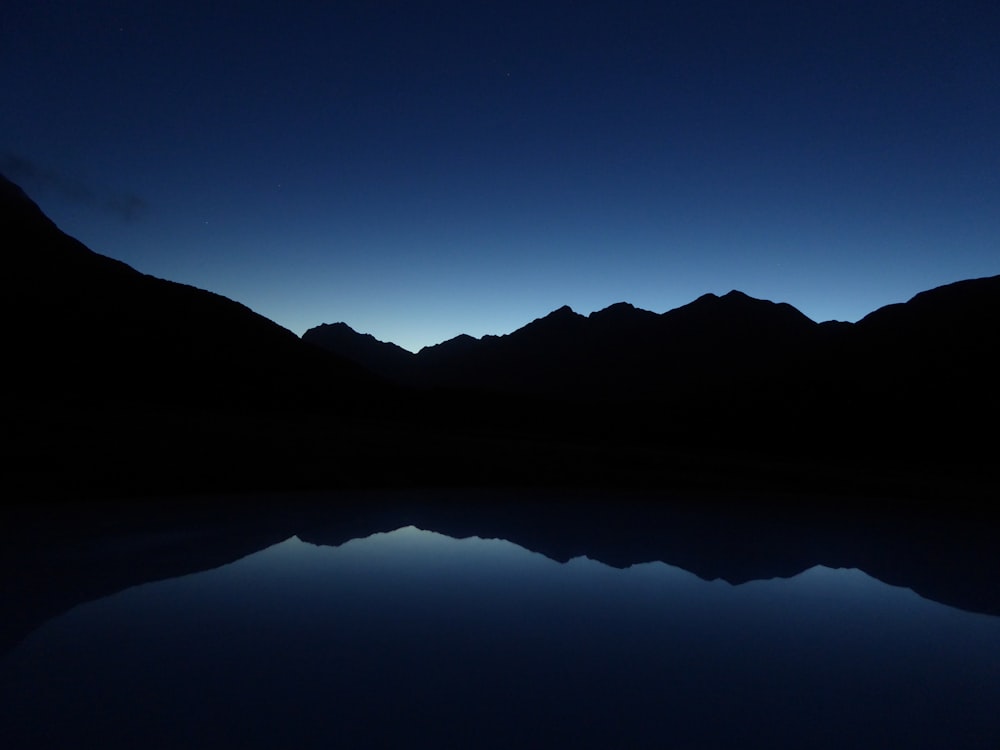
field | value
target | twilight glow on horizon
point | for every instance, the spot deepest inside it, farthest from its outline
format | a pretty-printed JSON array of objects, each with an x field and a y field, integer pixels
[{"x": 420, "y": 170}]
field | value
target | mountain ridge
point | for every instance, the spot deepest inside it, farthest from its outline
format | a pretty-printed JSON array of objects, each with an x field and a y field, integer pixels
[
  {"x": 624, "y": 308},
  {"x": 737, "y": 333},
  {"x": 127, "y": 384},
  {"x": 729, "y": 375},
  {"x": 140, "y": 336}
]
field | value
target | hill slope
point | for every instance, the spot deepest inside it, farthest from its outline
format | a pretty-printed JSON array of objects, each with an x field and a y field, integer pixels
[{"x": 78, "y": 324}]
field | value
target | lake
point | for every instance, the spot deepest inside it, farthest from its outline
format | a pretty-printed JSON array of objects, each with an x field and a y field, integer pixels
[{"x": 363, "y": 633}]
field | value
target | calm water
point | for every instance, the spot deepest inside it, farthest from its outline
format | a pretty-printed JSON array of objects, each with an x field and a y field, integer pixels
[{"x": 415, "y": 639}]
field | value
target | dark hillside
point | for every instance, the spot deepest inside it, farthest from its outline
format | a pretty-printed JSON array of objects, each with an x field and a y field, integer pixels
[{"x": 80, "y": 325}]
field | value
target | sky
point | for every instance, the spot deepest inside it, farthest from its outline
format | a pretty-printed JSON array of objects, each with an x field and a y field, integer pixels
[{"x": 423, "y": 169}]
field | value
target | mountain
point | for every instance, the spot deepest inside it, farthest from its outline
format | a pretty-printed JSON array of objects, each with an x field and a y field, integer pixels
[
  {"x": 120, "y": 383},
  {"x": 386, "y": 360},
  {"x": 77, "y": 324},
  {"x": 909, "y": 382},
  {"x": 940, "y": 337},
  {"x": 616, "y": 351}
]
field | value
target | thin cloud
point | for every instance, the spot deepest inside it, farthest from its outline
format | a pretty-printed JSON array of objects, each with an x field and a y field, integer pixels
[{"x": 126, "y": 206}]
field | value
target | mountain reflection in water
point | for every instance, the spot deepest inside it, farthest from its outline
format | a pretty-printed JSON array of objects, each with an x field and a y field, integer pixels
[{"x": 410, "y": 637}]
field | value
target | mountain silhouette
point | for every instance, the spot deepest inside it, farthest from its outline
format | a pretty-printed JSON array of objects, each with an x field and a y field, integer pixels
[
  {"x": 939, "y": 347},
  {"x": 384, "y": 359},
  {"x": 128, "y": 384},
  {"x": 622, "y": 350},
  {"x": 124, "y": 383},
  {"x": 909, "y": 385},
  {"x": 615, "y": 351},
  {"x": 944, "y": 338},
  {"x": 79, "y": 324}
]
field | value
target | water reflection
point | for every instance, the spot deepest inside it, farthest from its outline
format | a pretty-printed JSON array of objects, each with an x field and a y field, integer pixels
[{"x": 413, "y": 638}]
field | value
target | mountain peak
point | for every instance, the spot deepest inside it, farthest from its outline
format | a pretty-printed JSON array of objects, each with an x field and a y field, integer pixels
[
  {"x": 386, "y": 360},
  {"x": 562, "y": 316},
  {"x": 338, "y": 326},
  {"x": 341, "y": 330},
  {"x": 617, "y": 307},
  {"x": 621, "y": 314},
  {"x": 460, "y": 342}
]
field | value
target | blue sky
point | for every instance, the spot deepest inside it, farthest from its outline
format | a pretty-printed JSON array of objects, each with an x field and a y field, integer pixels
[{"x": 419, "y": 170}]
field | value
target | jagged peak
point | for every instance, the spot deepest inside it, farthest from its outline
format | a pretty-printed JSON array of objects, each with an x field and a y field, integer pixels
[
  {"x": 339, "y": 328},
  {"x": 563, "y": 311},
  {"x": 621, "y": 313},
  {"x": 341, "y": 332},
  {"x": 733, "y": 295},
  {"x": 561, "y": 315},
  {"x": 339, "y": 325}
]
